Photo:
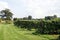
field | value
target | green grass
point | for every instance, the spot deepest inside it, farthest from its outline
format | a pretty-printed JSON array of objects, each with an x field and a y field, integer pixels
[{"x": 10, "y": 32}]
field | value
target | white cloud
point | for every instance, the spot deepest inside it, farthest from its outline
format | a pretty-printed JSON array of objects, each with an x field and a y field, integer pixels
[
  {"x": 41, "y": 8},
  {"x": 3, "y": 5}
]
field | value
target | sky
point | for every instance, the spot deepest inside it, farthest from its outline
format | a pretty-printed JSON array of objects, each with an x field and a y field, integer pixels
[{"x": 35, "y": 8}]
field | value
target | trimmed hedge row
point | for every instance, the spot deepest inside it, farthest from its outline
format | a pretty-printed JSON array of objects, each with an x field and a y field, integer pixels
[
  {"x": 49, "y": 27},
  {"x": 26, "y": 24}
]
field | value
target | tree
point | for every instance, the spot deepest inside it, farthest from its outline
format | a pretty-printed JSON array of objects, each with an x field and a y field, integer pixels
[
  {"x": 7, "y": 14},
  {"x": 29, "y": 17},
  {"x": 55, "y": 16},
  {"x": 14, "y": 19},
  {"x": 25, "y": 18}
]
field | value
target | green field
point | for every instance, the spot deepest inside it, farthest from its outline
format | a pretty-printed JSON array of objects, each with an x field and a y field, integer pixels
[{"x": 10, "y": 32}]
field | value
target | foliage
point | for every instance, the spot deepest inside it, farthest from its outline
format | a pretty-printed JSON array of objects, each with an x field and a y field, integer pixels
[
  {"x": 50, "y": 17},
  {"x": 29, "y": 17},
  {"x": 42, "y": 26},
  {"x": 14, "y": 19},
  {"x": 49, "y": 27},
  {"x": 7, "y": 14},
  {"x": 25, "y": 24},
  {"x": 58, "y": 38}
]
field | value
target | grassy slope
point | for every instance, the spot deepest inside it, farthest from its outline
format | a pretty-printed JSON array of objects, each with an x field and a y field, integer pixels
[{"x": 10, "y": 32}]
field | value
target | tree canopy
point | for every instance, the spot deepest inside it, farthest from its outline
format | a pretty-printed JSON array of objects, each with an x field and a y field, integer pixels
[{"x": 7, "y": 14}]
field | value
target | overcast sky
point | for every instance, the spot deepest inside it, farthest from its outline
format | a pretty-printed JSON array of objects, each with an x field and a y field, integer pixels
[{"x": 36, "y": 8}]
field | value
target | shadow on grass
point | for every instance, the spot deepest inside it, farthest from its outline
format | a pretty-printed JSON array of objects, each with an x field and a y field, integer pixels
[
  {"x": 45, "y": 34},
  {"x": 53, "y": 39},
  {"x": 58, "y": 37}
]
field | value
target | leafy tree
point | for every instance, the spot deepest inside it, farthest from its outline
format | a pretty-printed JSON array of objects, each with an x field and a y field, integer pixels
[
  {"x": 55, "y": 16},
  {"x": 29, "y": 17},
  {"x": 24, "y": 18},
  {"x": 7, "y": 14},
  {"x": 58, "y": 37},
  {"x": 14, "y": 19}
]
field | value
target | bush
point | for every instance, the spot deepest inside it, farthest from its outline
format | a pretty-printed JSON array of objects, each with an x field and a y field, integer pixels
[
  {"x": 25, "y": 24},
  {"x": 43, "y": 26},
  {"x": 58, "y": 37},
  {"x": 49, "y": 27}
]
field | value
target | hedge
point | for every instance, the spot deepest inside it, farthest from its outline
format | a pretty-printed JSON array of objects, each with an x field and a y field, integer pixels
[{"x": 48, "y": 27}]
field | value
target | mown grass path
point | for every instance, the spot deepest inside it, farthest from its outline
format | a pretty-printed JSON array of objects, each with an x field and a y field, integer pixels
[{"x": 10, "y": 32}]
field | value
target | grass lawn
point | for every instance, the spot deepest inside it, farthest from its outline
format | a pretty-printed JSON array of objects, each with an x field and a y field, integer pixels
[{"x": 10, "y": 32}]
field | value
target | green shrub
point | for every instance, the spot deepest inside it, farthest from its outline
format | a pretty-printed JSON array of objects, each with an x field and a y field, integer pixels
[{"x": 43, "y": 26}]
